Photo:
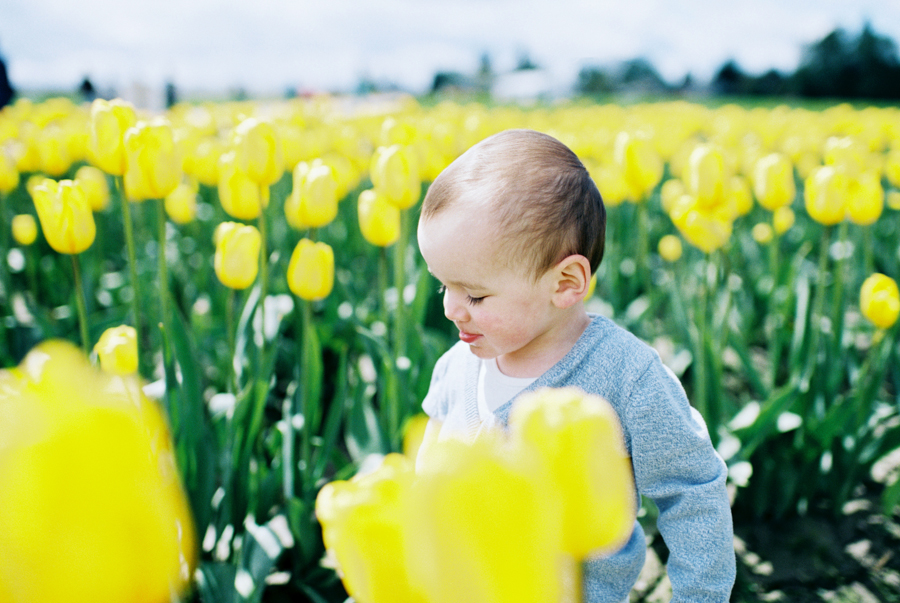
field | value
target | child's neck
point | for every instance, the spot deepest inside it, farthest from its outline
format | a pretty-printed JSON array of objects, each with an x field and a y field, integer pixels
[{"x": 549, "y": 349}]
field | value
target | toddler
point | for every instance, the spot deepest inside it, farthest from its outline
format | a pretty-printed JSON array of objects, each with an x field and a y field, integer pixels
[{"x": 513, "y": 229}]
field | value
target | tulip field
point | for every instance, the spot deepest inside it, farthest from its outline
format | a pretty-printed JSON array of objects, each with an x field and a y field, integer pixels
[{"x": 243, "y": 277}]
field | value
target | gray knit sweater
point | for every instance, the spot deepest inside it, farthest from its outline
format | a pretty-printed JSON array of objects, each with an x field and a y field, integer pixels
[{"x": 674, "y": 462}]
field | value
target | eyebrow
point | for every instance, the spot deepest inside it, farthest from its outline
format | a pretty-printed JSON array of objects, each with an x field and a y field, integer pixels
[{"x": 463, "y": 284}]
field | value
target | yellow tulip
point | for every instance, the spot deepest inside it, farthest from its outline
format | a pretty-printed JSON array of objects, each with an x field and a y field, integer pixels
[
  {"x": 705, "y": 230},
  {"x": 879, "y": 300},
  {"x": 611, "y": 183},
  {"x": 379, "y": 220},
  {"x": 579, "y": 441},
  {"x": 240, "y": 196},
  {"x": 154, "y": 167},
  {"x": 181, "y": 203},
  {"x": 24, "y": 229},
  {"x": 739, "y": 197},
  {"x": 395, "y": 174},
  {"x": 202, "y": 161},
  {"x": 310, "y": 274},
  {"x": 670, "y": 248},
  {"x": 461, "y": 549},
  {"x": 672, "y": 189},
  {"x": 773, "y": 181},
  {"x": 66, "y": 218},
  {"x": 117, "y": 350},
  {"x": 640, "y": 164},
  {"x": 782, "y": 219},
  {"x": 318, "y": 204},
  {"x": 762, "y": 233},
  {"x": 237, "y": 254},
  {"x": 705, "y": 176},
  {"x": 109, "y": 122},
  {"x": 9, "y": 175},
  {"x": 893, "y": 199},
  {"x": 865, "y": 199},
  {"x": 362, "y": 527},
  {"x": 54, "y": 151},
  {"x": 592, "y": 287},
  {"x": 258, "y": 151},
  {"x": 91, "y": 507},
  {"x": 26, "y": 149},
  {"x": 825, "y": 195},
  {"x": 847, "y": 154},
  {"x": 96, "y": 188},
  {"x": 892, "y": 166}
]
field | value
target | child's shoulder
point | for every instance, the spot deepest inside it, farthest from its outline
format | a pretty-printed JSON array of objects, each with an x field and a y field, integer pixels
[{"x": 605, "y": 337}]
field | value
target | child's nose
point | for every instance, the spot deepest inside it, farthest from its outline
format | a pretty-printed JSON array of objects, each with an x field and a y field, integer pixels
[{"x": 454, "y": 307}]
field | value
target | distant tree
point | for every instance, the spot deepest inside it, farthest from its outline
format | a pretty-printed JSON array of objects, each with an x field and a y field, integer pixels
[
  {"x": 524, "y": 62},
  {"x": 641, "y": 73},
  {"x": 594, "y": 80},
  {"x": 730, "y": 79},
  {"x": 6, "y": 90},
  {"x": 843, "y": 67}
]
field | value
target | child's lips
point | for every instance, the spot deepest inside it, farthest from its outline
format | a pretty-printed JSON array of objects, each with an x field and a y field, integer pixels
[{"x": 468, "y": 337}]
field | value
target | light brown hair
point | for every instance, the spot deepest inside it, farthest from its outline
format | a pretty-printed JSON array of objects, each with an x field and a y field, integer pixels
[{"x": 544, "y": 202}]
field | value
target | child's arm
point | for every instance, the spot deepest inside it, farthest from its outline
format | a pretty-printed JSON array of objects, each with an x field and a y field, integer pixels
[{"x": 677, "y": 467}]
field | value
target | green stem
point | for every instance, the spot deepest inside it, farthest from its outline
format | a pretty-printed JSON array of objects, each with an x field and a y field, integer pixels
[
  {"x": 700, "y": 389},
  {"x": 229, "y": 326},
  {"x": 163, "y": 265},
  {"x": 382, "y": 285},
  {"x": 132, "y": 265},
  {"x": 263, "y": 274},
  {"x": 80, "y": 304},
  {"x": 400, "y": 284},
  {"x": 306, "y": 382},
  {"x": 818, "y": 311},
  {"x": 643, "y": 250},
  {"x": 774, "y": 310}
]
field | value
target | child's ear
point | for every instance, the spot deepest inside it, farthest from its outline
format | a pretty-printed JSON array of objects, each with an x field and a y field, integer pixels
[{"x": 572, "y": 279}]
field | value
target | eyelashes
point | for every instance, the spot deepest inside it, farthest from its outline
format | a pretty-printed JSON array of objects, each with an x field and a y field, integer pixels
[{"x": 472, "y": 301}]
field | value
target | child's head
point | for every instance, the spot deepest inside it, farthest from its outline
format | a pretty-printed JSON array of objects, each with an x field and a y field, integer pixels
[{"x": 534, "y": 190}]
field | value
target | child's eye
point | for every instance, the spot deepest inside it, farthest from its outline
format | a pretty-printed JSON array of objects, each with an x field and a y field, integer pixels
[
  {"x": 474, "y": 301},
  {"x": 442, "y": 289}
]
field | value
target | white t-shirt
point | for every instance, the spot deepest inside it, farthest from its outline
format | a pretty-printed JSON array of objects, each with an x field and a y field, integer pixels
[{"x": 496, "y": 389}]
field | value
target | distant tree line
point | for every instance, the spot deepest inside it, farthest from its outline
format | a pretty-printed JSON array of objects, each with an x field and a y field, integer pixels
[{"x": 839, "y": 65}]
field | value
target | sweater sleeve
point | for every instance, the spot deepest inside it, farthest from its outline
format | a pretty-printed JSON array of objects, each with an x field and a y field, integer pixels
[{"x": 676, "y": 466}]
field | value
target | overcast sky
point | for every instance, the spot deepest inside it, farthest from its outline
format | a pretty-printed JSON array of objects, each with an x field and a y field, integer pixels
[{"x": 270, "y": 45}]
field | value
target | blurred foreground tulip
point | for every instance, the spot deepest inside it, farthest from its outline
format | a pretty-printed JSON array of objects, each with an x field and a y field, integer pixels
[
  {"x": 24, "y": 229},
  {"x": 507, "y": 518},
  {"x": 154, "y": 167},
  {"x": 310, "y": 274},
  {"x": 117, "y": 350},
  {"x": 66, "y": 218},
  {"x": 362, "y": 526},
  {"x": 109, "y": 122},
  {"x": 237, "y": 254},
  {"x": 508, "y": 550},
  {"x": 91, "y": 506},
  {"x": 379, "y": 220},
  {"x": 579, "y": 440},
  {"x": 879, "y": 300},
  {"x": 782, "y": 219}
]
